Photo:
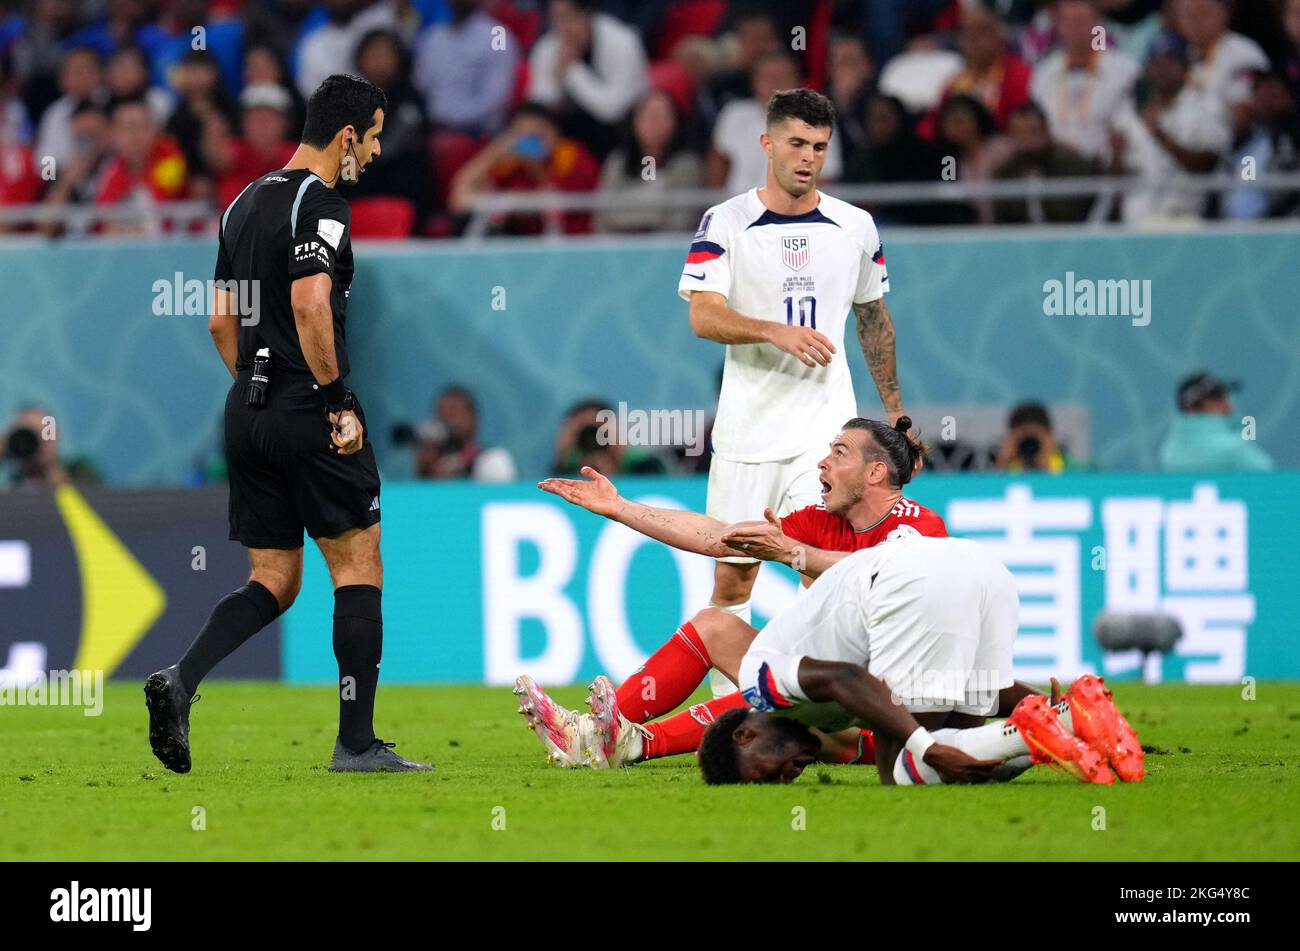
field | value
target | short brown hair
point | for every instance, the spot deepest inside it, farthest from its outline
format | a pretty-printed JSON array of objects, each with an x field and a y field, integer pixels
[{"x": 803, "y": 104}]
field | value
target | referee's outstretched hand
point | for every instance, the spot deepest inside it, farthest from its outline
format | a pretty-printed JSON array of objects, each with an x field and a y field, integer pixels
[{"x": 348, "y": 435}]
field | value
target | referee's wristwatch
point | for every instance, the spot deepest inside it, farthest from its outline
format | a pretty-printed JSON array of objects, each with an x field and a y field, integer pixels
[{"x": 338, "y": 398}]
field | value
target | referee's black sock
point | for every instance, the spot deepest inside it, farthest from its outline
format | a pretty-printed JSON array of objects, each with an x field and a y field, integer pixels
[
  {"x": 358, "y": 644},
  {"x": 236, "y": 618}
]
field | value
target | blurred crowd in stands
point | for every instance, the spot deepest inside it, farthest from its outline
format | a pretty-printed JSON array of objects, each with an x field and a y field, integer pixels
[{"x": 104, "y": 102}]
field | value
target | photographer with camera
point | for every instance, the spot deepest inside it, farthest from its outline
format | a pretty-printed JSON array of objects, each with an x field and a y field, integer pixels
[
  {"x": 447, "y": 447},
  {"x": 29, "y": 452},
  {"x": 1030, "y": 444}
]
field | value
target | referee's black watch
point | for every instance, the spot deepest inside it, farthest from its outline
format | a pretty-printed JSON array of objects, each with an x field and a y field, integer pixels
[{"x": 338, "y": 398}]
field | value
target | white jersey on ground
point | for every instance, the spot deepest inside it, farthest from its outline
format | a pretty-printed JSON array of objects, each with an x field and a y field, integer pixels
[
  {"x": 807, "y": 270},
  {"x": 935, "y": 618}
]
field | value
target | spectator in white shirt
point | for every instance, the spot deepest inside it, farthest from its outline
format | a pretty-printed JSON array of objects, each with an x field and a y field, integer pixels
[
  {"x": 1081, "y": 85},
  {"x": 737, "y": 160},
  {"x": 466, "y": 69},
  {"x": 80, "y": 79},
  {"x": 1223, "y": 62},
  {"x": 591, "y": 69},
  {"x": 330, "y": 48},
  {"x": 1181, "y": 129}
]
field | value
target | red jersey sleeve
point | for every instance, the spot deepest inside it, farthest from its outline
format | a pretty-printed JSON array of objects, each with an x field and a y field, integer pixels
[
  {"x": 803, "y": 526},
  {"x": 930, "y": 524}
]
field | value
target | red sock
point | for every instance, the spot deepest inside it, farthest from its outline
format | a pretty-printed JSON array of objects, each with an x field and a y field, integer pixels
[
  {"x": 665, "y": 680},
  {"x": 864, "y": 754},
  {"x": 682, "y": 732}
]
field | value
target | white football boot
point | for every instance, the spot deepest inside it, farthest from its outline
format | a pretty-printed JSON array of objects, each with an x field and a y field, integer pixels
[
  {"x": 619, "y": 741},
  {"x": 569, "y": 737}
]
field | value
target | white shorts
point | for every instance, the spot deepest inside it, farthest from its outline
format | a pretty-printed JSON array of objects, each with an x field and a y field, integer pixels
[
  {"x": 739, "y": 491},
  {"x": 955, "y": 654}
]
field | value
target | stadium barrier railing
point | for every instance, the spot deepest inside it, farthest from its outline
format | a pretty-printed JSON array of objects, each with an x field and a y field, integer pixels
[{"x": 159, "y": 218}]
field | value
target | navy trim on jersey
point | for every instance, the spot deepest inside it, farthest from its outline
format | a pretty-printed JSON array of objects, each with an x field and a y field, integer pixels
[
  {"x": 293, "y": 213},
  {"x": 770, "y": 217}
]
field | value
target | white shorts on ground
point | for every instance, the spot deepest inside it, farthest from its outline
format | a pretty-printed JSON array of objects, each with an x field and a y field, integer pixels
[
  {"x": 935, "y": 618},
  {"x": 942, "y": 639}
]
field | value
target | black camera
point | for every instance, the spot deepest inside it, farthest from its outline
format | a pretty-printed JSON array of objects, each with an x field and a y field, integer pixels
[
  {"x": 1027, "y": 450},
  {"x": 426, "y": 432},
  {"x": 22, "y": 443}
]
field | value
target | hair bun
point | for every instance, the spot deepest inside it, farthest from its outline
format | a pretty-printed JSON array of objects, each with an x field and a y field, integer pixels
[{"x": 903, "y": 424}]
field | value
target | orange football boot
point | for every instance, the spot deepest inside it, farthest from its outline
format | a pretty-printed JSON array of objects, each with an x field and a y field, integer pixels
[
  {"x": 1050, "y": 742},
  {"x": 1099, "y": 723}
]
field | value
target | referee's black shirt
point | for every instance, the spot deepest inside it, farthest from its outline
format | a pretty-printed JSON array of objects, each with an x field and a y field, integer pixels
[{"x": 285, "y": 225}]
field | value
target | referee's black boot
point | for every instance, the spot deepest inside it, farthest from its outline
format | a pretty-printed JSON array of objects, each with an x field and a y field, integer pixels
[
  {"x": 169, "y": 718},
  {"x": 378, "y": 758}
]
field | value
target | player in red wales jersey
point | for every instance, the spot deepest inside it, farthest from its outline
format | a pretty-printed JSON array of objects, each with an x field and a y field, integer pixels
[{"x": 862, "y": 480}]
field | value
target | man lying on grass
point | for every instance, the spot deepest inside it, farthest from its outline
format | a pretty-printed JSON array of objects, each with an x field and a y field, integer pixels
[{"x": 914, "y": 639}]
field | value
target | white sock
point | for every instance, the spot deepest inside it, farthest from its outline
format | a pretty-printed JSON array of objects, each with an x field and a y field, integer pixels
[
  {"x": 903, "y": 776},
  {"x": 719, "y": 682},
  {"x": 739, "y": 610},
  {"x": 998, "y": 740},
  {"x": 1063, "y": 714}
]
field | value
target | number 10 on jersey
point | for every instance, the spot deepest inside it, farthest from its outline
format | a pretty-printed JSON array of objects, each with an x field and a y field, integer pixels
[{"x": 807, "y": 311}]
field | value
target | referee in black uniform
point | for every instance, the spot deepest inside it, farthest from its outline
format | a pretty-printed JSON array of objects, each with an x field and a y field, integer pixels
[{"x": 294, "y": 432}]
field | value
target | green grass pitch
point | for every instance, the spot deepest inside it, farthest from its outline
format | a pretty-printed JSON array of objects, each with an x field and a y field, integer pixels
[{"x": 1223, "y": 782}]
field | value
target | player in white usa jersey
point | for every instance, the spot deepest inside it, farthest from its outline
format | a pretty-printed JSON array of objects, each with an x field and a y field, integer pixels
[{"x": 773, "y": 274}]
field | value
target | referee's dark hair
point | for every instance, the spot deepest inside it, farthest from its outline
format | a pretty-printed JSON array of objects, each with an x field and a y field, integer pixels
[
  {"x": 893, "y": 446},
  {"x": 339, "y": 101},
  {"x": 804, "y": 104},
  {"x": 719, "y": 758}
]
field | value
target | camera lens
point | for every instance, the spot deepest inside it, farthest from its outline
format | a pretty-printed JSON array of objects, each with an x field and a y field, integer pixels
[
  {"x": 23, "y": 443},
  {"x": 1027, "y": 449}
]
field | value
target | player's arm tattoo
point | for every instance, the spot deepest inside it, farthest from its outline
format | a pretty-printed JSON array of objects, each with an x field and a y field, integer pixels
[
  {"x": 689, "y": 531},
  {"x": 876, "y": 334}
]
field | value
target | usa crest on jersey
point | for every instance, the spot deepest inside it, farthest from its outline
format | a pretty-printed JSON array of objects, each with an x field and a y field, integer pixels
[{"x": 795, "y": 252}]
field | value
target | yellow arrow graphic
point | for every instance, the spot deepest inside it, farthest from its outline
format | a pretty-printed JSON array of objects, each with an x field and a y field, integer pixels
[{"x": 120, "y": 600}]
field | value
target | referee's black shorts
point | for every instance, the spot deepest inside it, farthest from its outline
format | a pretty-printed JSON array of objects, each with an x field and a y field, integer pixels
[{"x": 285, "y": 475}]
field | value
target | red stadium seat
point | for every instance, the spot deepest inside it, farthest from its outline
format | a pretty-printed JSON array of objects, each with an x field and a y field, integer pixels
[
  {"x": 819, "y": 35},
  {"x": 382, "y": 217},
  {"x": 947, "y": 21},
  {"x": 526, "y": 25},
  {"x": 449, "y": 151},
  {"x": 673, "y": 79},
  {"x": 520, "y": 90},
  {"x": 692, "y": 18}
]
